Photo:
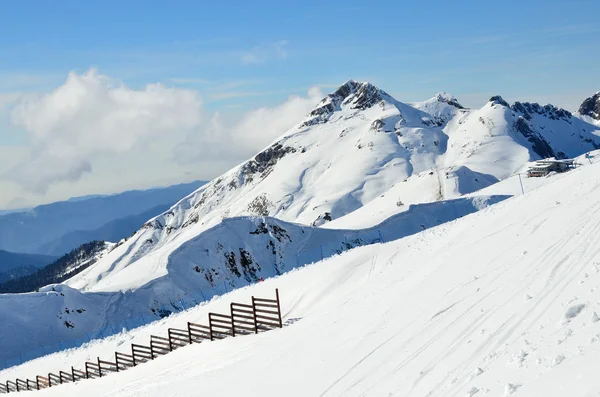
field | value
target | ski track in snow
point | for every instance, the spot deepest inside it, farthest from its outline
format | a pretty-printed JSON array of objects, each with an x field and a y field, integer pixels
[
  {"x": 477, "y": 304},
  {"x": 500, "y": 302}
]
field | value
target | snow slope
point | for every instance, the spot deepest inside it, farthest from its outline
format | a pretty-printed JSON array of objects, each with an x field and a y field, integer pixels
[
  {"x": 501, "y": 302},
  {"x": 359, "y": 167},
  {"x": 233, "y": 254},
  {"x": 357, "y": 145}
]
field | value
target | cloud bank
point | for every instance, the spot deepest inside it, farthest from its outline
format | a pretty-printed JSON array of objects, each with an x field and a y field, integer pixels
[
  {"x": 93, "y": 115},
  {"x": 92, "y": 119}
]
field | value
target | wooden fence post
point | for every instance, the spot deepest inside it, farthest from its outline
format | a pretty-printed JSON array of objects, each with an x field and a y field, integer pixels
[
  {"x": 170, "y": 343},
  {"x": 278, "y": 307},
  {"x": 255, "y": 319},
  {"x": 133, "y": 354},
  {"x": 189, "y": 332},
  {"x": 232, "y": 325}
]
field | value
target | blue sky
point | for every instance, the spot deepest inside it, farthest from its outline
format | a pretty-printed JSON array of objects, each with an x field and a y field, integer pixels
[
  {"x": 408, "y": 47},
  {"x": 242, "y": 55}
]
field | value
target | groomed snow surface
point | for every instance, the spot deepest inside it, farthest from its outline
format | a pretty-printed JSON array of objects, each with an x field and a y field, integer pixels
[{"x": 501, "y": 302}]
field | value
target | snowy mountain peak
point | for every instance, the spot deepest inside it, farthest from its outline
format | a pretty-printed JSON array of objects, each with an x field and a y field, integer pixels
[
  {"x": 498, "y": 100},
  {"x": 591, "y": 107},
  {"x": 449, "y": 99},
  {"x": 352, "y": 94}
]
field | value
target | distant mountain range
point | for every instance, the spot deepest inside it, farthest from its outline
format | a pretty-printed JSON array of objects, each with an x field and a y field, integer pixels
[
  {"x": 13, "y": 265},
  {"x": 55, "y": 229}
]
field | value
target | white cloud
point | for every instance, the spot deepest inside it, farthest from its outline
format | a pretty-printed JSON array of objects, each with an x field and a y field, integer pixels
[
  {"x": 243, "y": 137},
  {"x": 92, "y": 115},
  {"x": 93, "y": 134}
]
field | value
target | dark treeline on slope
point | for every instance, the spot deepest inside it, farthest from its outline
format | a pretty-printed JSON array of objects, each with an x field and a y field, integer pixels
[{"x": 58, "y": 271}]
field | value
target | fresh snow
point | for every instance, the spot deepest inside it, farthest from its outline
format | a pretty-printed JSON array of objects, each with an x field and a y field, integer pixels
[
  {"x": 358, "y": 145},
  {"x": 500, "y": 302},
  {"x": 203, "y": 269}
]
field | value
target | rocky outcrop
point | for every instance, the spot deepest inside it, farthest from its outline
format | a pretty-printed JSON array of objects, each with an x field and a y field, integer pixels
[
  {"x": 591, "y": 107},
  {"x": 449, "y": 99},
  {"x": 356, "y": 95},
  {"x": 263, "y": 162},
  {"x": 539, "y": 144},
  {"x": 498, "y": 100},
  {"x": 527, "y": 110}
]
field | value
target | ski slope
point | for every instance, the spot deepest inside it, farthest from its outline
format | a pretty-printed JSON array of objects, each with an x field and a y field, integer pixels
[
  {"x": 502, "y": 302},
  {"x": 237, "y": 252}
]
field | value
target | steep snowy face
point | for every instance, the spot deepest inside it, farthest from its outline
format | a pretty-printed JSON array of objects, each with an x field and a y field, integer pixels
[
  {"x": 591, "y": 107},
  {"x": 554, "y": 132},
  {"x": 482, "y": 142}
]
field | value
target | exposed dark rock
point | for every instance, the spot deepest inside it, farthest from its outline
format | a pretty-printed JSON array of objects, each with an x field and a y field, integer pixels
[
  {"x": 271, "y": 246},
  {"x": 249, "y": 266},
  {"x": 366, "y": 95},
  {"x": 437, "y": 122},
  {"x": 261, "y": 229},
  {"x": 552, "y": 112},
  {"x": 347, "y": 245},
  {"x": 591, "y": 107},
  {"x": 321, "y": 219},
  {"x": 539, "y": 144},
  {"x": 265, "y": 160},
  {"x": 450, "y": 100},
  {"x": 357, "y": 95},
  {"x": 377, "y": 125},
  {"x": 497, "y": 99},
  {"x": 162, "y": 313},
  {"x": 153, "y": 224},
  {"x": 193, "y": 218},
  {"x": 232, "y": 263},
  {"x": 260, "y": 206},
  {"x": 280, "y": 234}
]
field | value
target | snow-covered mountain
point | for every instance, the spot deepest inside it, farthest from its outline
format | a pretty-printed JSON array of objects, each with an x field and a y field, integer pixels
[
  {"x": 502, "y": 302},
  {"x": 357, "y": 145},
  {"x": 56, "y": 228},
  {"x": 358, "y": 169},
  {"x": 235, "y": 253}
]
